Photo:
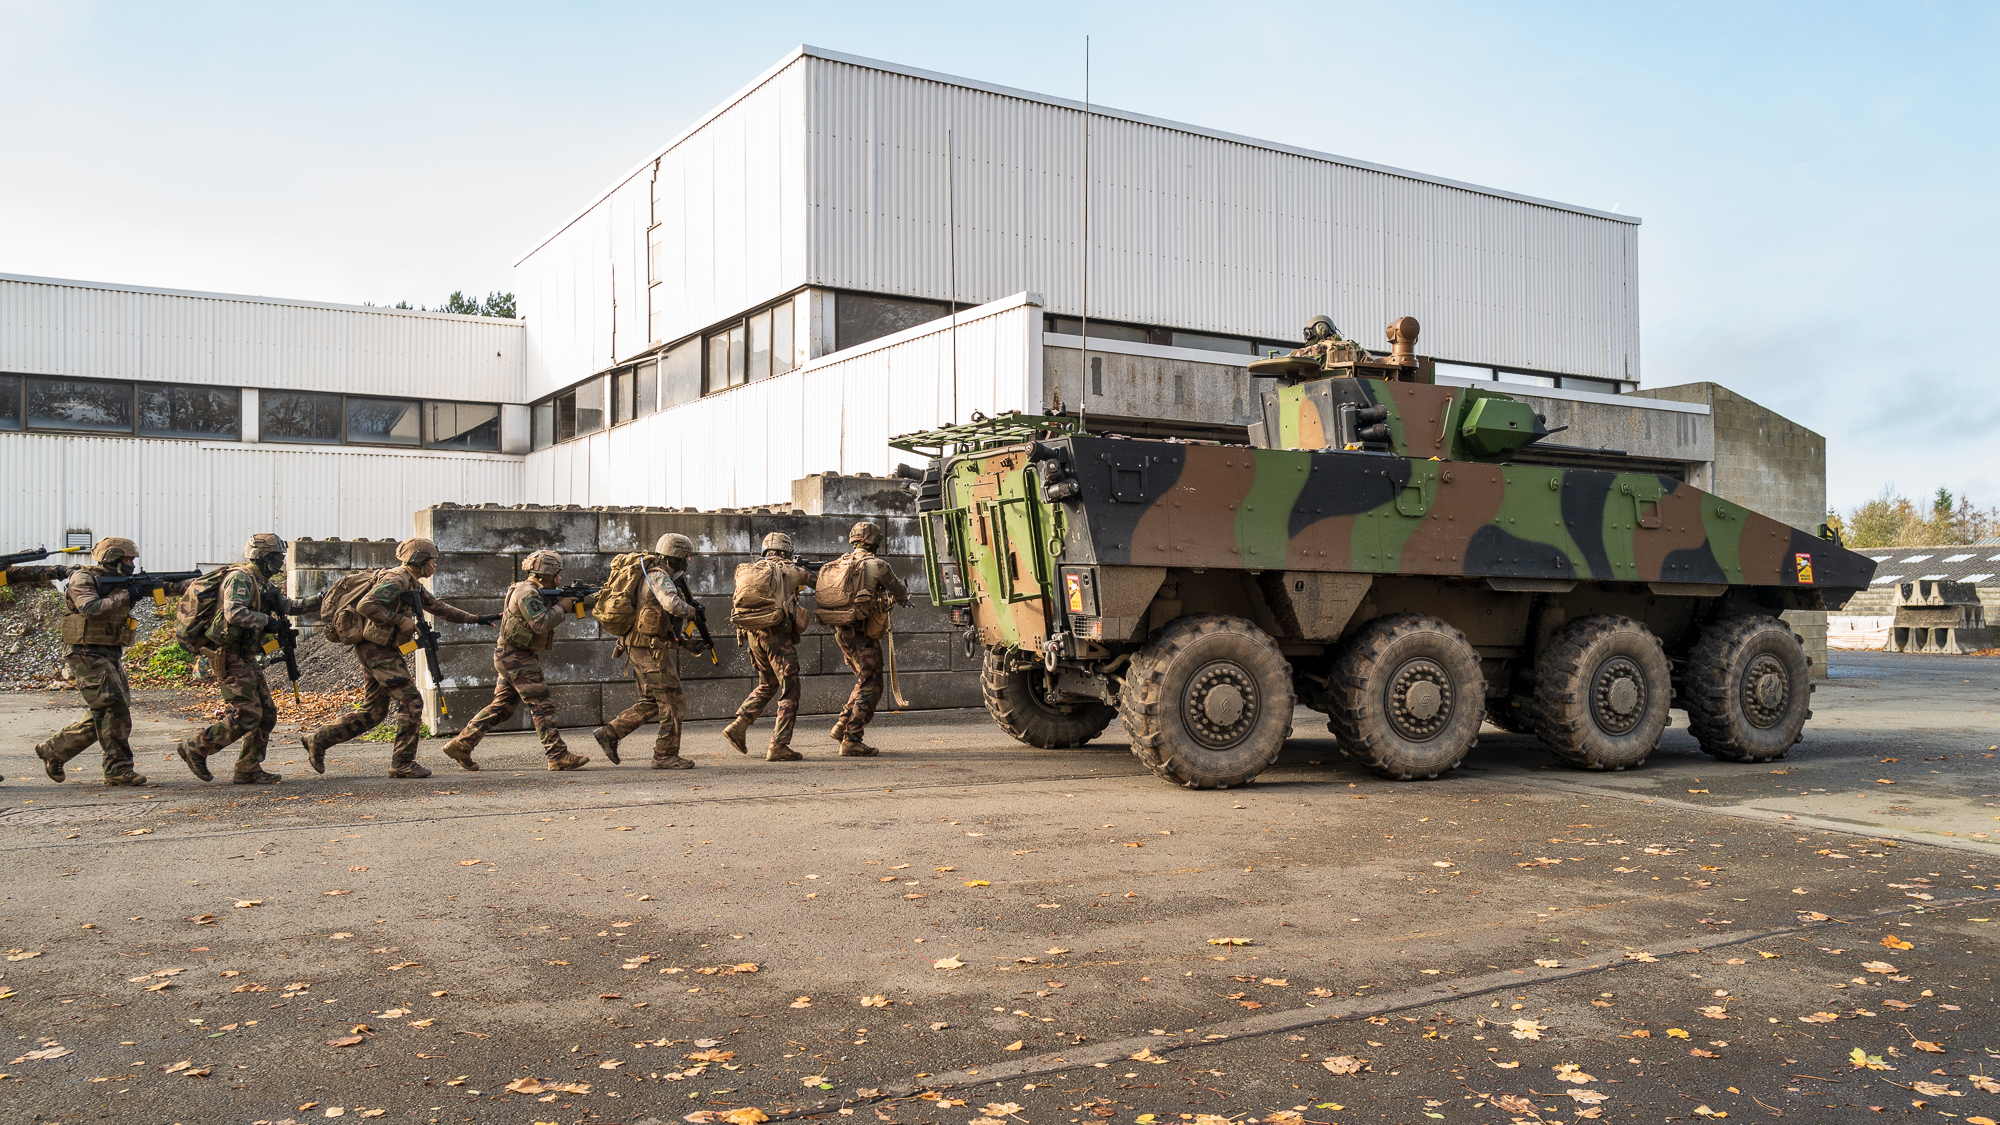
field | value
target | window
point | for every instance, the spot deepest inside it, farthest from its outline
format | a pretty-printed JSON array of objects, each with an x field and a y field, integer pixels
[
  {"x": 646, "y": 389},
  {"x": 384, "y": 421},
  {"x": 10, "y": 402},
  {"x": 462, "y": 425},
  {"x": 1463, "y": 371},
  {"x": 299, "y": 417},
  {"x": 79, "y": 406},
  {"x": 726, "y": 359},
  {"x": 1205, "y": 343},
  {"x": 859, "y": 318},
  {"x": 1101, "y": 330},
  {"x": 760, "y": 346},
  {"x": 621, "y": 395},
  {"x": 590, "y": 407},
  {"x": 190, "y": 412},
  {"x": 782, "y": 337},
  {"x": 1525, "y": 379},
  {"x": 681, "y": 375},
  {"x": 545, "y": 426},
  {"x": 1600, "y": 386}
]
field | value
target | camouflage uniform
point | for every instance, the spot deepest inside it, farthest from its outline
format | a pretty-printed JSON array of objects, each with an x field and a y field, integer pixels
[
  {"x": 34, "y": 577},
  {"x": 650, "y": 649},
  {"x": 861, "y": 648},
  {"x": 527, "y": 629},
  {"x": 775, "y": 653},
  {"x": 99, "y": 630},
  {"x": 389, "y": 684},
  {"x": 244, "y": 605}
]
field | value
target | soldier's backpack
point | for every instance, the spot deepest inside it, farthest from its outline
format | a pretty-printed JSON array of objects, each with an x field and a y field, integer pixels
[
  {"x": 618, "y": 603},
  {"x": 765, "y": 596},
  {"x": 196, "y": 610},
  {"x": 842, "y": 596},
  {"x": 340, "y": 619}
]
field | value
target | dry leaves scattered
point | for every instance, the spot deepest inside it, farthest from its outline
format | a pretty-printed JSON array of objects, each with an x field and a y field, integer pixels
[
  {"x": 1527, "y": 1029},
  {"x": 1344, "y": 1064},
  {"x": 947, "y": 963}
]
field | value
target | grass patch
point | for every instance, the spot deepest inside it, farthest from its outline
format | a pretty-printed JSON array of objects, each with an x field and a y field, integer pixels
[{"x": 387, "y": 733}]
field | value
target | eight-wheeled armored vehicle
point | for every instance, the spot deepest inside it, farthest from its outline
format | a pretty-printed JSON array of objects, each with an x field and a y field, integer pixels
[{"x": 1377, "y": 553}]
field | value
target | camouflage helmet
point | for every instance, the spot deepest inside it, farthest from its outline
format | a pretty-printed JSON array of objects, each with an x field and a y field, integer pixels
[
  {"x": 543, "y": 562},
  {"x": 111, "y": 549},
  {"x": 866, "y": 533},
  {"x": 416, "y": 552},
  {"x": 263, "y": 543},
  {"x": 777, "y": 541},
  {"x": 1321, "y": 327},
  {"x": 674, "y": 545}
]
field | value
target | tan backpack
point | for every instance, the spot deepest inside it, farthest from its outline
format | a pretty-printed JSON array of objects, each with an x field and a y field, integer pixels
[
  {"x": 843, "y": 596},
  {"x": 624, "y": 592},
  {"x": 340, "y": 619},
  {"x": 766, "y": 595},
  {"x": 196, "y": 610}
]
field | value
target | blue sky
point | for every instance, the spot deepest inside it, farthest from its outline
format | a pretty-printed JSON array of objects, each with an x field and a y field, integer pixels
[{"x": 1816, "y": 179}]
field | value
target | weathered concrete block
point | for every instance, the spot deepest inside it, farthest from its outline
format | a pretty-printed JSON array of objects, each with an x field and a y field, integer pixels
[
  {"x": 924, "y": 652},
  {"x": 373, "y": 554},
  {"x": 577, "y": 705},
  {"x": 474, "y": 576},
  {"x": 512, "y": 531},
  {"x": 933, "y": 690},
  {"x": 716, "y": 698},
  {"x": 452, "y": 633},
  {"x": 322, "y": 554},
  {"x": 859, "y": 496}
]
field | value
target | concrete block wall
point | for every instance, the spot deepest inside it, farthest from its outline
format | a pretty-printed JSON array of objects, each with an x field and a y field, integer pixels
[
  {"x": 313, "y": 565},
  {"x": 482, "y": 547}
]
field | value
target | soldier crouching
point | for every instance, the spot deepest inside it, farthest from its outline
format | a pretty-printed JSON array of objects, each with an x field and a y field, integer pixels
[
  {"x": 245, "y": 603},
  {"x": 650, "y": 649},
  {"x": 527, "y": 629}
]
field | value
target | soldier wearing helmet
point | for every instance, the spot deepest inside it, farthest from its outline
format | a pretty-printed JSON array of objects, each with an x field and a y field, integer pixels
[
  {"x": 1325, "y": 344},
  {"x": 855, "y": 594},
  {"x": 389, "y": 612},
  {"x": 657, "y": 630},
  {"x": 246, "y": 601},
  {"x": 527, "y": 629},
  {"x": 98, "y": 626},
  {"x": 769, "y": 621}
]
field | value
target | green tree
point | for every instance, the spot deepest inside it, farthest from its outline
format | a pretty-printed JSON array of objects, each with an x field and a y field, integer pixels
[
  {"x": 1894, "y": 520},
  {"x": 498, "y": 304},
  {"x": 461, "y": 304}
]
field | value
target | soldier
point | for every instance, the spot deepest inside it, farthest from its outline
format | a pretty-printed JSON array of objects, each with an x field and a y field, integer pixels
[
  {"x": 527, "y": 629},
  {"x": 245, "y": 602},
  {"x": 650, "y": 648},
  {"x": 775, "y": 652},
  {"x": 35, "y": 577},
  {"x": 390, "y": 623},
  {"x": 859, "y": 639},
  {"x": 97, "y": 629},
  {"x": 1323, "y": 340}
]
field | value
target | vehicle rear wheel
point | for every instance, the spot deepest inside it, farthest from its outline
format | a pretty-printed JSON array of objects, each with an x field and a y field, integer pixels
[
  {"x": 1602, "y": 687},
  {"x": 1407, "y": 696},
  {"x": 1208, "y": 702},
  {"x": 1017, "y": 699},
  {"x": 1749, "y": 689}
]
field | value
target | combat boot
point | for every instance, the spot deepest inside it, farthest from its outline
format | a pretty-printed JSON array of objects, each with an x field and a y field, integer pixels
[
  {"x": 839, "y": 731},
  {"x": 197, "y": 762},
  {"x": 259, "y": 776},
  {"x": 51, "y": 764},
  {"x": 779, "y": 753},
  {"x": 674, "y": 763},
  {"x": 315, "y": 754},
  {"x": 857, "y": 749},
  {"x": 568, "y": 761},
  {"x": 407, "y": 769},
  {"x": 460, "y": 754},
  {"x": 608, "y": 741},
  {"x": 734, "y": 732},
  {"x": 125, "y": 780}
]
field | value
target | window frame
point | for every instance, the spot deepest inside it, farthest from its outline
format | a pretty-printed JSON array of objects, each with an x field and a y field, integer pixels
[
  {"x": 236, "y": 403},
  {"x": 132, "y": 406},
  {"x": 346, "y": 401},
  {"x": 430, "y": 438}
]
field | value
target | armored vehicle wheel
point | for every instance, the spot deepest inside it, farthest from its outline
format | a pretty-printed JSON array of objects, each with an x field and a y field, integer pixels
[
  {"x": 1602, "y": 687},
  {"x": 1208, "y": 702},
  {"x": 1407, "y": 696},
  {"x": 1513, "y": 714},
  {"x": 1016, "y": 700},
  {"x": 1749, "y": 689}
]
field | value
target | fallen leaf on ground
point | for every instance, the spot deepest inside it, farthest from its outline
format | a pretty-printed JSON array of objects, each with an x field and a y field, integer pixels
[
  {"x": 468, "y": 862},
  {"x": 801, "y": 1002},
  {"x": 1570, "y": 1072},
  {"x": 947, "y": 963},
  {"x": 748, "y": 1115},
  {"x": 1701, "y": 1054},
  {"x": 1585, "y": 1097},
  {"x": 344, "y": 1041},
  {"x": 1878, "y": 966},
  {"x": 1000, "y": 1109},
  {"x": 1640, "y": 955},
  {"x": 712, "y": 1056},
  {"x": 1923, "y": 1045},
  {"x": 1548, "y": 963},
  {"x": 1527, "y": 1029},
  {"x": 1813, "y": 916},
  {"x": 1343, "y": 1064},
  {"x": 1819, "y": 1017},
  {"x": 1862, "y": 1060},
  {"x": 140, "y": 832},
  {"x": 1228, "y": 941},
  {"x": 1014, "y": 1046},
  {"x": 977, "y": 883},
  {"x": 1508, "y": 1065},
  {"x": 1676, "y": 1033},
  {"x": 17, "y": 955},
  {"x": 1935, "y": 1089},
  {"x": 874, "y": 1001},
  {"x": 1715, "y": 1012},
  {"x": 1704, "y": 1111},
  {"x": 245, "y": 904},
  {"x": 1894, "y": 942},
  {"x": 1980, "y": 1081}
]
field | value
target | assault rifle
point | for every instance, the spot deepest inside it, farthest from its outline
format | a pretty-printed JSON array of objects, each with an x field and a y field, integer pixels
[
  {"x": 36, "y": 555},
  {"x": 140, "y": 582},
  {"x": 581, "y": 592},
  {"x": 700, "y": 618},
  {"x": 285, "y": 642},
  {"x": 426, "y": 639}
]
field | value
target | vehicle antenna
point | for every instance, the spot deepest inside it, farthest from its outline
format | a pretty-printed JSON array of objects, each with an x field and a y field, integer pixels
[
  {"x": 1083, "y": 369},
  {"x": 951, "y": 194}
]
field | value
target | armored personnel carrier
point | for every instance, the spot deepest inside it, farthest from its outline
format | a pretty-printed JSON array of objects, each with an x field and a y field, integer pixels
[{"x": 1378, "y": 553}]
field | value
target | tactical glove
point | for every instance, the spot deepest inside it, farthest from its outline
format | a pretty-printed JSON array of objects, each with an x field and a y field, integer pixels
[{"x": 489, "y": 619}]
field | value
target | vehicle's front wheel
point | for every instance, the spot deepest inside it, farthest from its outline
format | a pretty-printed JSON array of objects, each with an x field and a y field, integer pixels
[
  {"x": 1208, "y": 702},
  {"x": 1016, "y": 696},
  {"x": 1407, "y": 696},
  {"x": 1749, "y": 689},
  {"x": 1602, "y": 686}
]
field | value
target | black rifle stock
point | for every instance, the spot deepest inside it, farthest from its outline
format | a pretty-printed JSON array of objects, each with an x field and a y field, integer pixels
[
  {"x": 581, "y": 592},
  {"x": 286, "y": 644},
  {"x": 700, "y": 617},
  {"x": 426, "y": 639}
]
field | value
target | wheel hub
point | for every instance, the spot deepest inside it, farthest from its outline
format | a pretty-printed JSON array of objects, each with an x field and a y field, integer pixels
[
  {"x": 1766, "y": 688},
  {"x": 1618, "y": 696},
  {"x": 1420, "y": 699},
  {"x": 1221, "y": 705}
]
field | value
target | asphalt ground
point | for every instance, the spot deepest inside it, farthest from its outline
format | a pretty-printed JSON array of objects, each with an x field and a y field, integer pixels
[{"x": 967, "y": 920}]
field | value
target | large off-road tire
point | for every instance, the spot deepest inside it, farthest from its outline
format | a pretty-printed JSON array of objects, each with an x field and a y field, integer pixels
[
  {"x": 1407, "y": 696},
  {"x": 1208, "y": 702},
  {"x": 1014, "y": 697},
  {"x": 1749, "y": 688},
  {"x": 1602, "y": 688}
]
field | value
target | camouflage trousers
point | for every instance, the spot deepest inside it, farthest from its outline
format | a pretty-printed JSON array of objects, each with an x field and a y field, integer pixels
[
  {"x": 252, "y": 713},
  {"x": 775, "y": 652},
  {"x": 517, "y": 679},
  {"x": 389, "y": 688},
  {"x": 660, "y": 697},
  {"x": 863, "y": 655},
  {"x": 100, "y": 679}
]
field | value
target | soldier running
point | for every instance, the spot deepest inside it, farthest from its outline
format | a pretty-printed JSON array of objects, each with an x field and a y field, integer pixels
[
  {"x": 97, "y": 629},
  {"x": 774, "y": 648},
  {"x": 527, "y": 629},
  {"x": 650, "y": 649},
  {"x": 245, "y": 603},
  {"x": 388, "y": 623},
  {"x": 860, "y": 630}
]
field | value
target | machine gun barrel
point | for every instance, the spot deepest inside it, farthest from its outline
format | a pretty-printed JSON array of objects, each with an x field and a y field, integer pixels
[
  {"x": 426, "y": 639},
  {"x": 140, "y": 582}
]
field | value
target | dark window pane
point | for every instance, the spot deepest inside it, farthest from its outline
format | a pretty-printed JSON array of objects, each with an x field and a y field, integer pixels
[
  {"x": 859, "y": 319},
  {"x": 382, "y": 421},
  {"x": 1200, "y": 342},
  {"x": 646, "y": 390},
  {"x": 545, "y": 425},
  {"x": 69, "y": 404},
  {"x": 566, "y": 416},
  {"x": 621, "y": 396},
  {"x": 294, "y": 416},
  {"x": 781, "y": 338},
  {"x": 189, "y": 412},
  {"x": 1099, "y": 329},
  {"x": 760, "y": 346},
  {"x": 464, "y": 425},
  {"x": 1600, "y": 386},
  {"x": 590, "y": 407},
  {"x": 681, "y": 378},
  {"x": 10, "y": 402}
]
